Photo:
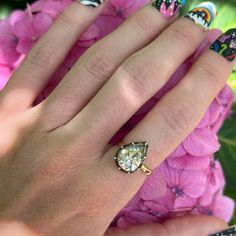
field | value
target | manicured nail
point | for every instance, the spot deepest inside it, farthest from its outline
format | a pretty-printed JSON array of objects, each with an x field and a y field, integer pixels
[
  {"x": 168, "y": 8},
  {"x": 225, "y": 45},
  {"x": 203, "y": 14},
  {"x": 92, "y": 3},
  {"x": 228, "y": 232}
]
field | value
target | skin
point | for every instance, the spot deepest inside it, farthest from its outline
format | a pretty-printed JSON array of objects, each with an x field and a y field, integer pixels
[{"x": 57, "y": 174}]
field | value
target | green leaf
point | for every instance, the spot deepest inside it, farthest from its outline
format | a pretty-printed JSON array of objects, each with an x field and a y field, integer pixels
[
  {"x": 232, "y": 80},
  {"x": 227, "y": 155}
]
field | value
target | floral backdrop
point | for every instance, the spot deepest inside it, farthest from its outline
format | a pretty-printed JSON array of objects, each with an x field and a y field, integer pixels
[{"x": 201, "y": 188}]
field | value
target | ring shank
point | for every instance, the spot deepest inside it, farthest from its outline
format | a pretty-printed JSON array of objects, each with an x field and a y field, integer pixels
[{"x": 145, "y": 170}]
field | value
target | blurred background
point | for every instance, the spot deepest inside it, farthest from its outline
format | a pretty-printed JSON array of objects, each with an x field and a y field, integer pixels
[{"x": 226, "y": 18}]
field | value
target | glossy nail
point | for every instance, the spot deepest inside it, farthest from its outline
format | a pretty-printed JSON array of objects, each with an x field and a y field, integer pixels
[
  {"x": 225, "y": 45},
  {"x": 227, "y": 232},
  {"x": 203, "y": 14},
  {"x": 92, "y": 3},
  {"x": 168, "y": 8}
]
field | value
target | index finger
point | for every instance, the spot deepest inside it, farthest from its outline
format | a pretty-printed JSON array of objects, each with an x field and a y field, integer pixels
[{"x": 46, "y": 56}]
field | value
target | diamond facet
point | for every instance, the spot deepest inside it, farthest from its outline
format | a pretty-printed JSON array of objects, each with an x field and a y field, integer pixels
[{"x": 130, "y": 157}]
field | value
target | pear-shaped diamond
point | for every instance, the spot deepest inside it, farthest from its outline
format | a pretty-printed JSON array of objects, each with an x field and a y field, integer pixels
[{"x": 130, "y": 157}]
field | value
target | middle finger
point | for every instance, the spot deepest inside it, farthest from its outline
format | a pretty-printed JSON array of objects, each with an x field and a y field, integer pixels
[
  {"x": 137, "y": 80},
  {"x": 94, "y": 68}
]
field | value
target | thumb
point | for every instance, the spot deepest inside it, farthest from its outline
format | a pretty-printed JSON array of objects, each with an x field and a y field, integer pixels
[{"x": 182, "y": 226}]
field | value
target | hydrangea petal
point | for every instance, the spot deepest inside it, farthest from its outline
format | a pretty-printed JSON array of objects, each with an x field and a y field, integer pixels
[
  {"x": 214, "y": 110},
  {"x": 16, "y": 16},
  {"x": 205, "y": 120},
  {"x": 178, "y": 152},
  {"x": 201, "y": 142},
  {"x": 90, "y": 34},
  {"x": 24, "y": 45},
  {"x": 215, "y": 183},
  {"x": 24, "y": 28},
  {"x": 107, "y": 24},
  {"x": 42, "y": 23},
  {"x": 223, "y": 207},
  {"x": 8, "y": 43},
  {"x": 5, "y": 73},
  {"x": 184, "y": 202},
  {"x": 193, "y": 182},
  {"x": 154, "y": 186},
  {"x": 188, "y": 162}
]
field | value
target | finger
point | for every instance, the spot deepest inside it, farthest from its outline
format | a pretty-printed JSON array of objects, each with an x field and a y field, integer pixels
[
  {"x": 15, "y": 228},
  {"x": 184, "y": 226},
  {"x": 175, "y": 116},
  {"x": 99, "y": 63},
  {"x": 137, "y": 80},
  {"x": 46, "y": 56}
]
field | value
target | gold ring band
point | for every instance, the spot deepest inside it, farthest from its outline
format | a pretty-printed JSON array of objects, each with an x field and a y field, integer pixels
[{"x": 145, "y": 170}]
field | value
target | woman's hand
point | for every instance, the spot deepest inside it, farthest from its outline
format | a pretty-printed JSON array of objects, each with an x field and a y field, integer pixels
[{"x": 57, "y": 172}]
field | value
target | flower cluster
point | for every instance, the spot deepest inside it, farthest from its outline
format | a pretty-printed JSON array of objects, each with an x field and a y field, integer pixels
[{"x": 190, "y": 181}]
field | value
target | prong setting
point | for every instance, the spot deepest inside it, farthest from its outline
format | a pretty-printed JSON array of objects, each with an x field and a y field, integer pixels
[{"x": 130, "y": 157}]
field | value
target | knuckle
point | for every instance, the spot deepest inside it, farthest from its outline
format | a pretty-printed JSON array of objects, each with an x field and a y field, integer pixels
[
  {"x": 176, "y": 116},
  {"x": 136, "y": 78},
  {"x": 42, "y": 54},
  {"x": 211, "y": 74},
  {"x": 183, "y": 34},
  {"x": 142, "y": 22},
  {"x": 99, "y": 64},
  {"x": 67, "y": 20}
]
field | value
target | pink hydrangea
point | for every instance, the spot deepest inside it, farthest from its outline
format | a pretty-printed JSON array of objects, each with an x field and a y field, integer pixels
[
  {"x": 190, "y": 181},
  {"x": 29, "y": 28},
  {"x": 5, "y": 73}
]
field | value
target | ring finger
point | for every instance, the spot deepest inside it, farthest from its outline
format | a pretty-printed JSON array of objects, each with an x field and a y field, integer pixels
[{"x": 169, "y": 122}]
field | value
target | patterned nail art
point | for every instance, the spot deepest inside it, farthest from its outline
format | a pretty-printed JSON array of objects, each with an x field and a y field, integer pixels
[
  {"x": 168, "y": 8},
  {"x": 203, "y": 14},
  {"x": 228, "y": 232},
  {"x": 225, "y": 45},
  {"x": 92, "y": 3}
]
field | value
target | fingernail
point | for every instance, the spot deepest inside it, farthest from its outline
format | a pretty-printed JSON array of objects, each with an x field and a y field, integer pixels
[
  {"x": 92, "y": 3},
  {"x": 225, "y": 45},
  {"x": 227, "y": 232},
  {"x": 203, "y": 14},
  {"x": 168, "y": 8}
]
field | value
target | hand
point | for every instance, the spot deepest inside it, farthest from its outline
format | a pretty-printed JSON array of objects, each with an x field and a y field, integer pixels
[{"x": 57, "y": 172}]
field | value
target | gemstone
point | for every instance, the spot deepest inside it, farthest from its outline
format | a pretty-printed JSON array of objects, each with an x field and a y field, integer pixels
[{"x": 130, "y": 157}]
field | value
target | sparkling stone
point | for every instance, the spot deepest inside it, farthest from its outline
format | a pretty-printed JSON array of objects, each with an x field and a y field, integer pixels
[{"x": 131, "y": 156}]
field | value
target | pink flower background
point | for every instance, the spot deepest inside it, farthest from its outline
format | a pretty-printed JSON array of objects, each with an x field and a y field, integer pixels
[{"x": 190, "y": 181}]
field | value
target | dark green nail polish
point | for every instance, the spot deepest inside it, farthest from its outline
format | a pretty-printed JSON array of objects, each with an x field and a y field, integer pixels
[{"x": 225, "y": 45}]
